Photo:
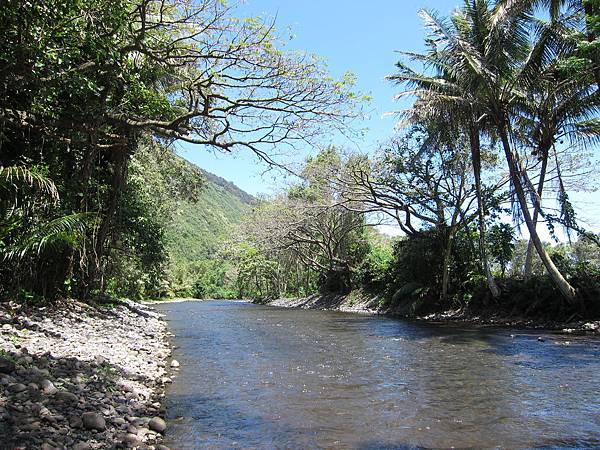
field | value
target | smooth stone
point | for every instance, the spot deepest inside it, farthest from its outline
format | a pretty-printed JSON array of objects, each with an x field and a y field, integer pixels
[
  {"x": 48, "y": 387},
  {"x": 131, "y": 440},
  {"x": 174, "y": 363},
  {"x": 17, "y": 387},
  {"x": 75, "y": 422},
  {"x": 6, "y": 365},
  {"x": 66, "y": 397},
  {"x": 161, "y": 447},
  {"x": 119, "y": 421},
  {"x": 93, "y": 421},
  {"x": 157, "y": 424},
  {"x": 82, "y": 446}
]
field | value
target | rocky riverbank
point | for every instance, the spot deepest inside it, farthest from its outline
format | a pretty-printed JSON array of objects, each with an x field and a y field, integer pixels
[
  {"x": 361, "y": 303},
  {"x": 345, "y": 303},
  {"x": 75, "y": 376}
]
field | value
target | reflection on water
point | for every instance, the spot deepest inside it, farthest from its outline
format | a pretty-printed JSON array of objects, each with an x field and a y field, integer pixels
[{"x": 260, "y": 377}]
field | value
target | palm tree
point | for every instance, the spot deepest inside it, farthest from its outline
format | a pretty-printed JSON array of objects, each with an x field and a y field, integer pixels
[
  {"x": 444, "y": 98},
  {"x": 561, "y": 107},
  {"x": 502, "y": 60},
  {"x": 490, "y": 64}
]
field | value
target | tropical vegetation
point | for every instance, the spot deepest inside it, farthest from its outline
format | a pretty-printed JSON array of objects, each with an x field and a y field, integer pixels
[{"x": 502, "y": 127}]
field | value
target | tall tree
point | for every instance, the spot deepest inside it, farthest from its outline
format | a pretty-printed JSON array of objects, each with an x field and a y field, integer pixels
[{"x": 83, "y": 81}]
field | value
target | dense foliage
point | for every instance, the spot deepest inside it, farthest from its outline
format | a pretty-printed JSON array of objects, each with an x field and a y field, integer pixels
[
  {"x": 502, "y": 128},
  {"x": 86, "y": 85},
  {"x": 504, "y": 119}
]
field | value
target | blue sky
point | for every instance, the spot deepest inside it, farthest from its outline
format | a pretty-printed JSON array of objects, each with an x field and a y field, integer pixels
[{"x": 362, "y": 37}]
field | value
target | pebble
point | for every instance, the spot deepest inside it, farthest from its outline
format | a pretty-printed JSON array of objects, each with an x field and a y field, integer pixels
[
  {"x": 48, "y": 387},
  {"x": 174, "y": 363},
  {"x": 82, "y": 446},
  {"x": 131, "y": 440},
  {"x": 157, "y": 424},
  {"x": 17, "y": 387},
  {"x": 93, "y": 421},
  {"x": 66, "y": 397},
  {"x": 69, "y": 374},
  {"x": 6, "y": 366}
]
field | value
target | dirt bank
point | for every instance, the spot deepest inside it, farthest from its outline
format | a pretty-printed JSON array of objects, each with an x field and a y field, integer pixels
[{"x": 73, "y": 376}]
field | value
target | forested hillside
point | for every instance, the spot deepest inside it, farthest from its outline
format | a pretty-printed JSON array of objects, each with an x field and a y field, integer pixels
[{"x": 200, "y": 227}]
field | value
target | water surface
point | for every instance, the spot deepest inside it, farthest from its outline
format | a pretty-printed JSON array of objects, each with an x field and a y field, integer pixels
[{"x": 261, "y": 377}]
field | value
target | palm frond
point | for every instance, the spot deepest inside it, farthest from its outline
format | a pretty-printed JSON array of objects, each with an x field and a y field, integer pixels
[
  {"x": 68, "y": 229},
  {"x": 14, "y": 176}
]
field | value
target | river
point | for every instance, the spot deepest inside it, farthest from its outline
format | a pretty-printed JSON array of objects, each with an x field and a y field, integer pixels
[{"x": 262, "y": 377}]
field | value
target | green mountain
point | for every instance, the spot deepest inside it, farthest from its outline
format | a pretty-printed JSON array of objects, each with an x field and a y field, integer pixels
[{"x": 199, "y": 228}]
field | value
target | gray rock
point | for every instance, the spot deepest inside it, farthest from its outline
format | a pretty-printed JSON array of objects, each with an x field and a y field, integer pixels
[
  {"x": 132, "y": 430},
  {"x": 48, "y": 387},
  {"x": 26, "y": 360},
  {"x": 75, "y": 422},
  {"x": 161, "y": 447},
  {"x": 82, "y": 446},
  {"x": 17, "y": 387},
  {"x": 66, "y": 397},
  {"x": 93, "y": 421},
  {"x": 6, "y": 365},
  {"x": 157, "y": 424},
  {"x": 119, "y": 421},
  {"x": 131, "y": 440}
]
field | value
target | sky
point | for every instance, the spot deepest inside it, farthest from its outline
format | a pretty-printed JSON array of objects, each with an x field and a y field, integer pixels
[{"x": 361, "y": 37}]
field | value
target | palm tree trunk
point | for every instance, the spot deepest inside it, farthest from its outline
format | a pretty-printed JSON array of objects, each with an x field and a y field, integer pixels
[
  {"x": 591, "y": 12},
  {"x": 475, "y": 145},
  {"x": 559, "y": 280},
  {"x": 527, "y": 269},
  {"x": 446, "y": 265}
]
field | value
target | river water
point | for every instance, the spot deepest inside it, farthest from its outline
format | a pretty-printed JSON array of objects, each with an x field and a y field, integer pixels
[{"x": 265, "y": 378}]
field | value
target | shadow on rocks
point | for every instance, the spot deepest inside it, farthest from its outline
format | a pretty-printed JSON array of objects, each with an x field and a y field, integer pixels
[{"x": 66, "y": 403}]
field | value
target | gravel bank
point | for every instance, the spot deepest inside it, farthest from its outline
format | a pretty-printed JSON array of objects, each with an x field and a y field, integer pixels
[
  {"x": 78, "y": 377},
  {"x": 364, "y": 304},
  {"x": 360, "y": 304}
]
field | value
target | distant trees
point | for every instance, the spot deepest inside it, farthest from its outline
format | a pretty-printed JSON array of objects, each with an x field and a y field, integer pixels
[
  {"x": 309, "y": 223},
  {"x": 424, "y": 182}
]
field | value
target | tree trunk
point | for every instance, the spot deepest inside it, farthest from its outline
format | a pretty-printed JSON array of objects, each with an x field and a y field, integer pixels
[
  {"x": 527, "y": 269},
  {"x": 591, "y": 12},
  {"x": 559, "y": 280},
  {"x": 476, "y": 161},
  {"x": 120, "y": 158},
  {"x": 446, "y": 265}
]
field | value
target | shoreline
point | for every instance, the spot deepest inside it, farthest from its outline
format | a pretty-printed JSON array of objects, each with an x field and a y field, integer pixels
[
  {"x": 369, "y": 305},
  {"x": 79, "y": 376}
]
